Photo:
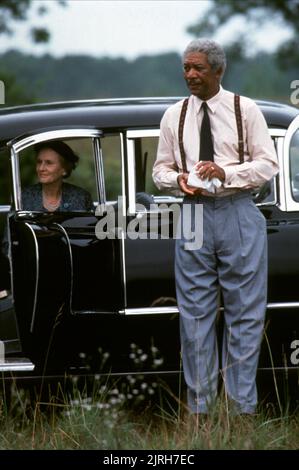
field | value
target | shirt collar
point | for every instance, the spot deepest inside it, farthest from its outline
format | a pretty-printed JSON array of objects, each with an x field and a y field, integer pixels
[{"x": 212, "y": 102}]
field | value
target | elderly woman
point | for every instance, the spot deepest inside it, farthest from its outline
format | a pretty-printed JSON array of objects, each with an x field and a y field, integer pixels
[{"x": 55, "y": 161}]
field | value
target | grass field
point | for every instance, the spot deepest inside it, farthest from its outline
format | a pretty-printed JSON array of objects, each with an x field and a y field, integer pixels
[{"x": 137, "y": 415}]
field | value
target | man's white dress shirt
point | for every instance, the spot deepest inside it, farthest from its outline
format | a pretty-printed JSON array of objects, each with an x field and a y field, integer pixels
[{"x": 260, "y": 160}]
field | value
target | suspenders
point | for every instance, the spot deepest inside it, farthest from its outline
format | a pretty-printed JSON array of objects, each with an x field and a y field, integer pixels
[
  {"x": 181, "y": 129},
  {"x": 239, "y": 128}
]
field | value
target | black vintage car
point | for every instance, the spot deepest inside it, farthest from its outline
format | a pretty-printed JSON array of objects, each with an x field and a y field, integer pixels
[{"x": 93, "y": 292}]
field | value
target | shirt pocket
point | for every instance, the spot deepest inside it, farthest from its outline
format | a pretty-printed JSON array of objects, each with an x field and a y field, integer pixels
[{"x": 229, "y": 146}]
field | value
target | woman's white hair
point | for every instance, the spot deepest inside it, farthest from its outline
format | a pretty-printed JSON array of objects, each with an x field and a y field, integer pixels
[{"x": 214, "y": 52}]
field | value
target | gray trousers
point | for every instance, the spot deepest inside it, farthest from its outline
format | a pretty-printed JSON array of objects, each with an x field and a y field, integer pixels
[{"x": 233, "y": 257}]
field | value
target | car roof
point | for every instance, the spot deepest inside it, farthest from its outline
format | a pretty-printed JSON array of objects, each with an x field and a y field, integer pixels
[{"x": 108, "y": 115}]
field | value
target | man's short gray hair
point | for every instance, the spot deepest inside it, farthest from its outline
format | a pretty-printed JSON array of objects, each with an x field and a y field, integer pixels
[{"x": 215, "y": 53}]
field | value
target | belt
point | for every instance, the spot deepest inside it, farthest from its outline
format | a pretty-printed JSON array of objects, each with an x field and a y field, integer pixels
[{"x": 212, "y": 199}]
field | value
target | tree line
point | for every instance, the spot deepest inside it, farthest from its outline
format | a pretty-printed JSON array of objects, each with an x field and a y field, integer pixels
[{"x": 30, "y": 79}]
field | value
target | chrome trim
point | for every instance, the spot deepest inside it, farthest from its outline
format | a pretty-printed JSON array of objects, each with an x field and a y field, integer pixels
[
  {"x": 16, "y": 180},
  {"x": 16, "y": 364},
  {"x": 51, "y": 135},
  {"x": 123, "y": 175},
  {"x": 37, "y": 274},
  {"x": 149, "y": 311},
  {"x": 291, "y": 204},
  {"x": 4, "y": 208},
  {"x": 122, "y": 233},
  {"x": 96, "y": 144},
  {"x": 22, "y": 144},
  {"x": 131, "y": 177},
  {"x": 273, "y": 202},
  {"x": 131, "y": 135},
  {"x": 60, "y": 227},
  {"x": 282, "y": 305},
  {"x": 144, "y": 213},
  {"x": 123, "y": 266},
  {"x": 282, "y": 194},
  {"x": 276, "y": 182},
  {"x": 173, "y": 309},
  {"x": 100, "y": 173},
  {"x": 143, "y": 133},
  {"x": 278, "y": 135},
  {"x": 276, "y": 132},
  {"x": 168, "y": 199},
  {"x": 10, "y": 262}
]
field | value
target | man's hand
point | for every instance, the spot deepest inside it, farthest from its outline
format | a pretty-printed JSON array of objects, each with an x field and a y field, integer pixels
[
  {"x": 210, "y": 170},
  {"x": 191, "y": 190},
  {"x": 205, "y": 169}
]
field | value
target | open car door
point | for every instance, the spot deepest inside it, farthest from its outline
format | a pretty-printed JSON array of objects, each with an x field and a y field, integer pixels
[{"x": 62, "y": 274}]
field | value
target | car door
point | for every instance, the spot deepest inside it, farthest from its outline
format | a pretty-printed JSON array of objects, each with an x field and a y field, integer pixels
[
  {"x": 150, "y": 236},
  {"x": 149, "y": 254},
  {"x": 282, "y": 216},
  {"x": 62, "y": 272},
  {"x": 283, "y": 223}
]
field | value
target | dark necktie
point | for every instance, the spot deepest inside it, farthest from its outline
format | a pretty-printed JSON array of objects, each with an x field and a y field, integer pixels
[{"x": 206, "y": 143}]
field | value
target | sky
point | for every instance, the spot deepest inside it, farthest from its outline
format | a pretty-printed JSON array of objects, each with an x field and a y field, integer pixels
[{"x": 120, "y": 28}]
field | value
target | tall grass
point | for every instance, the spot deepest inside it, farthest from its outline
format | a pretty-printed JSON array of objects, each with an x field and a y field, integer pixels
[{"x": 125, "y": 416}]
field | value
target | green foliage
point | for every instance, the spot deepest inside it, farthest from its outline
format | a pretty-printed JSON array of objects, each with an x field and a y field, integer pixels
[
  {"x": 40, "y": 35},
  {"x": 15, "y": 93},
  {"x": 259, "y": 77},
  {"x": 114, "y": 417},
  {"x": 81, "y": 77},
  {"x": 256, "y": 13},
  {"x": 12, "y": 11}
]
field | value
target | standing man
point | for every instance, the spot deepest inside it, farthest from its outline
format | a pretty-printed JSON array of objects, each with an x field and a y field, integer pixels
[{"x": 226, "y": 138}]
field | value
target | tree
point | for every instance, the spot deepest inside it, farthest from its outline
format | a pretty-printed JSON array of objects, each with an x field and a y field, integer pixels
[
  {"x": 256, "y": 14},
  {"x": 17, "y": 10},
  {"x": 12, "y": 11}
]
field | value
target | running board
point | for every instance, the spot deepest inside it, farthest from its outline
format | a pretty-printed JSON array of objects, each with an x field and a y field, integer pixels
[
  {"x": 13, "y": 364},
  {"x": 16, "y": 364},
  {"x": 174, "y": 309}
]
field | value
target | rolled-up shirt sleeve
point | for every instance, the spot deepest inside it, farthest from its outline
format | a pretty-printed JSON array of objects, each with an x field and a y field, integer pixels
[
  {"x": 261, "y": 164},
  {"x": 165, "y": 169}
]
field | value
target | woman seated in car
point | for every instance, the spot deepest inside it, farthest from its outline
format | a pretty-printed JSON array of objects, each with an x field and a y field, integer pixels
[{"x": 55, "y": 161}]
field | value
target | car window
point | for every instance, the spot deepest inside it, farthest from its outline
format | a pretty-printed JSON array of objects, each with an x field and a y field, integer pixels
[
  {"x": 268, "y": 193},
  {"x": 145, "y": 156},
  {"x": 83, "y": 176},
  {"x": 145, "y": 153},
  {"x": 294, "y": 165},
  {"x": 111, "y": 151}
]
